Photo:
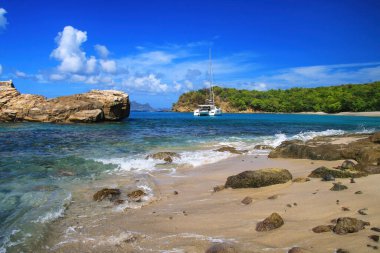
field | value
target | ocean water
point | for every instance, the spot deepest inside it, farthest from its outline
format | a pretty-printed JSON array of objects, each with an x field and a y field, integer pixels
[{"x": 40, "y": 163}]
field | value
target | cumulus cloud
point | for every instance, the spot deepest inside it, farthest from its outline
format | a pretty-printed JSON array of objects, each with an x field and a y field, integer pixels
[
  {"x": 69, "y": 51},
  {"x": 20, "y": 74},
  {"x": 3, "y": 19},
  {"x": 108, "y": 66},
  {"x": 149, "y": 83},
  {"x": 102, "y": 51}
]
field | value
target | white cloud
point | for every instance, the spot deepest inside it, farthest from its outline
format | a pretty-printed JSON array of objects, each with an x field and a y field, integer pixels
[
  {"x": 149, "y": 83},
  {"x": 69, "y": 50},
  {"x": 3, "y": 19},
  {"x": 57, "y": 77},
  {"x": 20, "y": 74},
  {"x": 91, "y": 65},
  {"x": 102, "y": 51},
  {"x": 108, "y": 65}
]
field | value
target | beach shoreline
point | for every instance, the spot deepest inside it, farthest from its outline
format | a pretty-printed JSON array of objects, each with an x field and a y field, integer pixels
[{"x": 188, "y": 216}]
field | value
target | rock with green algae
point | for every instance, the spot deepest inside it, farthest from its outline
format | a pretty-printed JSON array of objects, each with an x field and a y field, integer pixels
[
  {"x": 111, "y": 194},
  {"x": 258, "y": 178},
  {"x": 232, "y": 150},
  {"x": 324, "y": 172},
  {"x": 346, "y": 225},
  {"x": 166, "y": 156},
  {"x": 272, "y": 222}
]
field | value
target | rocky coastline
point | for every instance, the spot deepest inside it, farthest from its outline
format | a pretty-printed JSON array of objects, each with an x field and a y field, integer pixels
[{"x": 90, "y": 107}]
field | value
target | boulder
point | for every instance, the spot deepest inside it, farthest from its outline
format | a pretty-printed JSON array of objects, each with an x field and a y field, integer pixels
[
  {"x": 349, "y": 225},
  {"x": 374, "y": 238},
  {"x": 232, "y": 150},
  {"x": 165, "y": 156},
  {"x": 258, "y": 178},
  {"x": 323, "y": 228},
  {"x": 111, "y": 194},
  {"x": 93, "y": 106},
  {"x": 347, "y": 165},
  {"x": 263, "y": 147},
  {"x": 272, "y": 222},
  {"x": 338, "y": 187},
  {"x": 324, "y": 172},
  {"x": 375, "y": 137},
  {"x": 222, "y": 248}
]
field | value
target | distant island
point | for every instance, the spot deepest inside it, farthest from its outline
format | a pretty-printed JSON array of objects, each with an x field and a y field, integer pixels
[
  {"x": 329, "y": 99},
  {"x": 137, "y": 107}
]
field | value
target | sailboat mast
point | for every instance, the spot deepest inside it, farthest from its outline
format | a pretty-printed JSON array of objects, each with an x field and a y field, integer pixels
[{"x": 211, "y": 79}]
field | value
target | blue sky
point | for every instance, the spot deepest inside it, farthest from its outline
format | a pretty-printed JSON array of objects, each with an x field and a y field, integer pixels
[{"x": 156, "y": 50}]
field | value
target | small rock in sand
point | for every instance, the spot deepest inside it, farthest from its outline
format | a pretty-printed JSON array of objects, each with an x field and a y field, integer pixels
[
  {"x": 347, "y": 165},
  {"x": 363, "y": 211},
  {"x": 349, "y": 225},
  {"x": 272, "y": 222},
  {"x": 289, "y": 205},
  {"x": 111, "y": 194},
  {"x": 374, "y": 238},
  {"x": 375, "y": 229},
  {"x": 345, "y": 209},
  {"x": 359, "y": 192},
  {"x": 323, "y": 228},
  {"x": 298, "y": 250},
  {"x": 218, "y": 188},
  {"x": 338, "y": 187},
  {"x": 273, "y": 197},
  {"x": 342, "y": 251},
  {"x": 247, "y": 200},
  {"x": 175, "y": 193},
  {"x": 221, "y": 248},
  {"x": 301, "y": 180},
  {"x": 352, "y": 181}
]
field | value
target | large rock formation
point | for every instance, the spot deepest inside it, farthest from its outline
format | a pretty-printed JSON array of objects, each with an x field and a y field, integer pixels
[
  {"x": 365, "y": 149},
  {"x": 93, "y": 106}
]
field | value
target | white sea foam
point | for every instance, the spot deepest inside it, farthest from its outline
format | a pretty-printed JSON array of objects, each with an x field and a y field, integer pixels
[
  {"x": 305, "y": 136},
  {"x": 54, "y": 214}
]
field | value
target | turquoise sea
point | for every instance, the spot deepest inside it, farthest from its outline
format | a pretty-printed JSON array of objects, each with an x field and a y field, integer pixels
[{"x": 40, "y": 162}]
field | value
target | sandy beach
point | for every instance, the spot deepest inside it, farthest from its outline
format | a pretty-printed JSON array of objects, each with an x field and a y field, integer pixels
[{"x": 197, "y": 217}]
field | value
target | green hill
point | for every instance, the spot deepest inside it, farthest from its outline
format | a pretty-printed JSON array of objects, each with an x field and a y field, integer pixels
[{"x": 331, "y": 99}]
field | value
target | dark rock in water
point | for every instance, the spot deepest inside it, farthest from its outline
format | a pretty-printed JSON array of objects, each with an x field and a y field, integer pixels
[
  {"x": 342, "y": 251},
  {"x": 272, "y": 222},
  {"x": 363, "y": 211},
  {"x": 359, "y": 192},
  {"x": 375, "y": 229},
  {"x": 263, "y": 147},
  {"x": 324, "y": 172},
  {"x": 328, "y": 177},
  {"x": 165, "y": 156},
  {"x": 347, "y": 165},
  {"x": 301, "y": 180},
  {"x": 338, "y": 187},
  {"x": 323, "y": 228},
  {"x": 93, "y": 106},
  {"x": 374, "y": 238},
  {"x": 219, "y": 188},
  {"x": 232, "y": 150},
  {"x": 258, "y": 178},
  {"x": 221, "y": 248},
  {"x": 136, "y": 195},
  {"x": 119, "y": 201},
  {"x": 111, "y": 194},
  {"x": 349, "y": 225},
  {"x": 298, "y": 250},
  {"x": 247, "y": 200}
]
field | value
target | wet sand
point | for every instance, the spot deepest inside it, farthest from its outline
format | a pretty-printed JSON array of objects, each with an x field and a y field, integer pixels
[{"x": 197, "y": 217}]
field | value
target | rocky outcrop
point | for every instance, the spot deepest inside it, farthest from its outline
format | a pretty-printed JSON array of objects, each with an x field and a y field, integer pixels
[
  {"x": 272, "y": 222},
  {"x": 258, "y": 178},
  {"x": 93, "y": 106},
  {"x": 232, "y": 150},
  {"x": 324, "y": 173},
  {"x": 365, "y": 149}
]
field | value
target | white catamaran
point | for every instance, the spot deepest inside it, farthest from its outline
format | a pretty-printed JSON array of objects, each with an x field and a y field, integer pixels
[{"x": 209, "y": 108}]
